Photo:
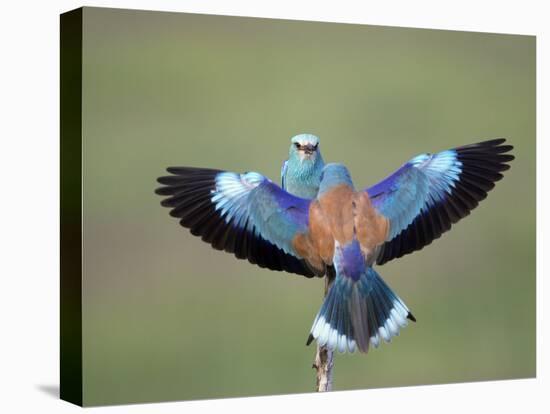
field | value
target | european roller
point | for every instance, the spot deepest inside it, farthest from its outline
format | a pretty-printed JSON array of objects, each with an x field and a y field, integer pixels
[
  {"x": 342, "y": 229},
  {"x": 301, "y": 172}
]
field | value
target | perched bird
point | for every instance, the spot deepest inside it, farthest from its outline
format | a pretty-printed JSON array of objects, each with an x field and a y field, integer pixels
[
  {"x": 341, "y": 228},
  {"x": 301, "y": 172}
]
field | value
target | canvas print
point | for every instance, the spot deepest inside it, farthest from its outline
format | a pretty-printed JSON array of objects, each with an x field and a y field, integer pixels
[{"x": 260, "y": 206}]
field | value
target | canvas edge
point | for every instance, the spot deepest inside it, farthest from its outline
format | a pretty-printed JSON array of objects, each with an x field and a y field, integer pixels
[{"x": 71, "y": 381}]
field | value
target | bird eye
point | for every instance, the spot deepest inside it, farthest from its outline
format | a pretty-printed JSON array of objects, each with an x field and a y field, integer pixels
[
  {"x": 315, "y": 147},
  {"x": 297, "y": 145}
]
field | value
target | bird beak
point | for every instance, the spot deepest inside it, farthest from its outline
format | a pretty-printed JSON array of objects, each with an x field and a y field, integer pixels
[{"x": 308, "y": 149}]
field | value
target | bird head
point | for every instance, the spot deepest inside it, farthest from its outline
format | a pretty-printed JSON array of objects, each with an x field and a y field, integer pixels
[{"x": 304, "y": 147}]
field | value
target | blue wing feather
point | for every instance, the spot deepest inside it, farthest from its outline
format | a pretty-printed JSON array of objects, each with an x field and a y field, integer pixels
[
  {"x": 269, "y": 211},
  {"x": 245, "y": 214},
  {"x": 283, "y": 173},
  {"x": 432, "y": 191}
]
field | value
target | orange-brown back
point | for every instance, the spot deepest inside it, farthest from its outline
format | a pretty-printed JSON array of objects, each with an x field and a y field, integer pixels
[{"x": 340, "y": 214}]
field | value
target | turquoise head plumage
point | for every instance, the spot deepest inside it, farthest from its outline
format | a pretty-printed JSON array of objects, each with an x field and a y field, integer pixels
[{"x": 301, "y": 173}]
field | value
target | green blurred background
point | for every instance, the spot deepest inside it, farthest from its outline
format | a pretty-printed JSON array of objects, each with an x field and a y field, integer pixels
[{"x": 168, "y": 318}]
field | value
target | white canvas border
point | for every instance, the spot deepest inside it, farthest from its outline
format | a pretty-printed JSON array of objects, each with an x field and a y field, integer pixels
[{"x": 29, "y": 236}]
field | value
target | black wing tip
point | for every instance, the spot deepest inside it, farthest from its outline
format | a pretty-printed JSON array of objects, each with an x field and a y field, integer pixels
[
  {"x": 162, "y": 180},
  {"x": 175, "y": 170},
  {"x": 182, "y": 176},
  {"x": 186, "y": 170},
  {"x": 493, "y": 142},
  {"x": 411, "y": 317},
  {"x": 489, "y": 156},
  {"x": 490, "y": 143},
  {"x": 310, "y": 339},
  {"x": 179, "y": 170},
  {"x": 493, "y": 145}
]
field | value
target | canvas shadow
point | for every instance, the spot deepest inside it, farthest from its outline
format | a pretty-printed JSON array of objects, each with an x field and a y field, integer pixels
[{"x": 50, "y": 389}]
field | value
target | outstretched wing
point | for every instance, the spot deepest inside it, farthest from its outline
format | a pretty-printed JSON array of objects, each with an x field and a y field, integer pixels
[
  {"x": 244, "y": 214},
  {"x": 428, "y": 194}
]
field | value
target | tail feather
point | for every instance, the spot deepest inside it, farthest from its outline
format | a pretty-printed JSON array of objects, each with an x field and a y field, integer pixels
[{"x": 359, "y": 313}]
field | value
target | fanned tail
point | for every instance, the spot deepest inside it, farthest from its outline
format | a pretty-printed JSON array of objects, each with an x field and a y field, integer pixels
[{"x": 359, "y": 310}]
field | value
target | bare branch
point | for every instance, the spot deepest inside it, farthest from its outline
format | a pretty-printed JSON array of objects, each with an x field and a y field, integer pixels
[{"x": 324, "y": 358}]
